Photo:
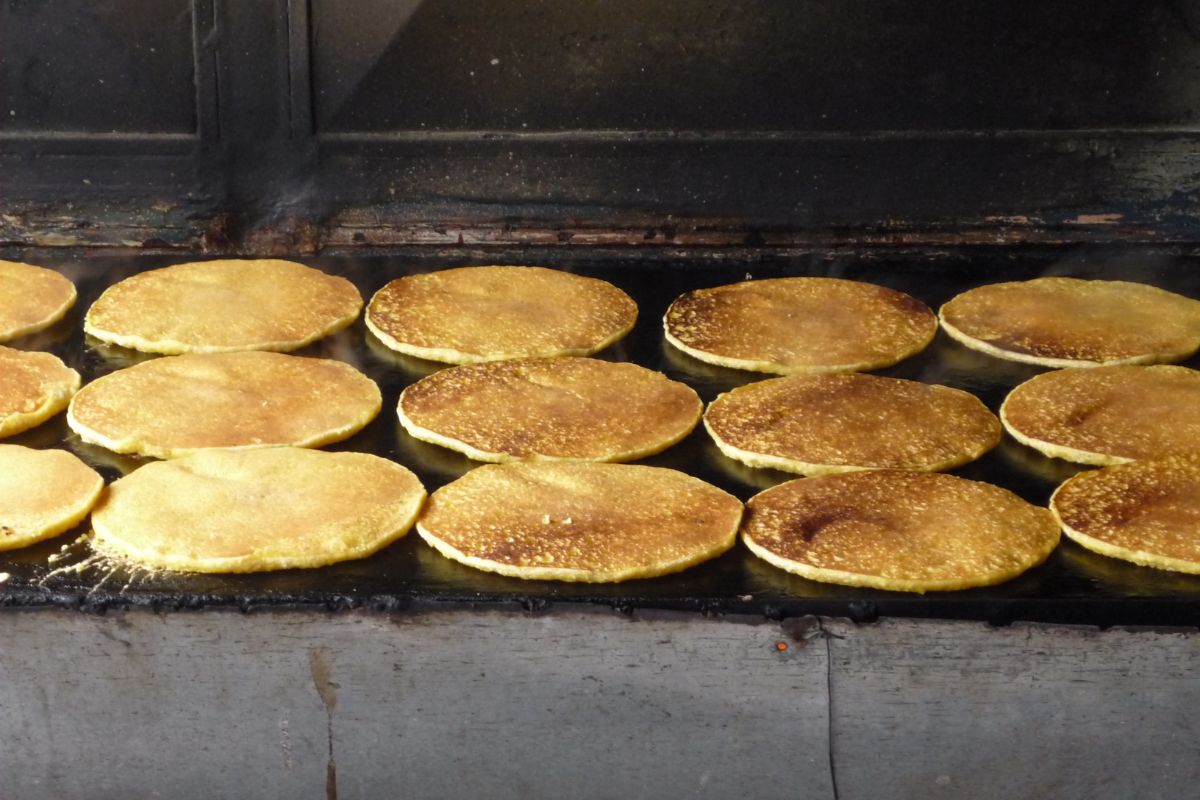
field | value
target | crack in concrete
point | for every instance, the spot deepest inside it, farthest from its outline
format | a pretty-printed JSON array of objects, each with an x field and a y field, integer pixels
[
  {"x": 829, "y": 705},
  {"x": 319, "y": 666}
]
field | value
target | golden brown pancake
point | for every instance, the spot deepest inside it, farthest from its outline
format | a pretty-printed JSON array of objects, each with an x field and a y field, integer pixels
[
  {"x": 172, "y": 407},
  {"x": 822, "y": 424},
  {"x": 31, "y": 298},
  {"x": 790, "y": 325},
  {"x": 1147, "y": 512},
  {"x": 223, "y": 306},
  {"x": 900, "y": 531},
  {"x": 1069, "y": 322},
  {"x": 256, "y": 510},
  {"x": 33, "y": 388},
  {"x": 551, "y": 409},
  {"x": 1107, "y": 415},
  {"x": 473, "y": 314},
  {"x": 580, "y": 522},
  {"x": 42, "y": 494}
]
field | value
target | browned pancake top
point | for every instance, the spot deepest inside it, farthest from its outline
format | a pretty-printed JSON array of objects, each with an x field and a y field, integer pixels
[
  {"x": 31, "y": 298},
  {"x": 33, "y": 387},
  {"x": 216, "y": 306},
  {"x": 1147, "y": 506},
  {"x": 802, "y": 324},
  {"x": 488, "y": 313},
  {"x": 584, "y": 521},
  {"x": 901, "y": 526},
  {"x": 570, "y": 408},
  {"x": 855, "y": 420},
  {"x": 1074, "y": 319},
  {"x": 1124, "y": 411},
  {"x": 172, "y": 406}
]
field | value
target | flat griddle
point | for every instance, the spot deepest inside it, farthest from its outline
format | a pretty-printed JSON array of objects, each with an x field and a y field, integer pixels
[{"x": 1074, "y": 586}]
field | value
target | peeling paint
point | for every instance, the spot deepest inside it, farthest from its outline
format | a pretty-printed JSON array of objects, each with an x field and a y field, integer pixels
[{"x": 1098, "y": 219}]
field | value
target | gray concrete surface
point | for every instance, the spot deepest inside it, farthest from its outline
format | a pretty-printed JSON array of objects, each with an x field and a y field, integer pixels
[{"x": 587, "y": 704}]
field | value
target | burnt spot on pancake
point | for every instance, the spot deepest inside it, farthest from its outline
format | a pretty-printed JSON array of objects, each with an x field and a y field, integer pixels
[
  {"x": 1147, "y": 512},
  {"x": 1108, "y": 415},
  {"x": 905, "y": 531}
]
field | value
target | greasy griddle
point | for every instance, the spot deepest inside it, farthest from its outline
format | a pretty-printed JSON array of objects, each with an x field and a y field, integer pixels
[{"x": 1073, "y": 586}]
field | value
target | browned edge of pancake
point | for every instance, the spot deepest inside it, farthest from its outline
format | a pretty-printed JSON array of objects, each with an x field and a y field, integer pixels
[
  {"x": 57, "y": 297},
  {"x": 431, "y": 522},
  {"x": 385, "y": 331},
  {"x": 1049, "y": 354},
  {"x": 58, "y": 384},
  {"x": 1073, "y": 523},
  {"x": 1019, "y": 411},
  {"x": 99, "y": 318},
  {"x": 848, "y": 577},
  {"x": 899, "y": 300}
]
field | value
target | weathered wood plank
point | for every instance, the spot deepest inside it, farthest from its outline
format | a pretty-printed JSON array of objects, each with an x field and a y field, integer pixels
[
  {"x": 587, "y": 704},
  {"x": 447, "y": 704},
  {"x": 950, "y": 709},
  {"x": 149, "y": 706}
]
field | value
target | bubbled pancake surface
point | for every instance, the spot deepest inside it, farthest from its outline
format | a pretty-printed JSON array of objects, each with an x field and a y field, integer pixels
[
  {"x": 1147, "y": 512},
  {"x": 821, "y": 424},
  {"x": 899, "y": 531},
  {"x": 171, "y": 407},
  {"x": 472, "y": 314},
  {"x": 1107, "y": 415},
  {"x": 31, "y": 298},
  {"x": 42, "y": 494},
  {"x": 223, "y": 306},
  {"x": 33, "y": 388},
  {"x": 580, "y": 521},
  {"x": 256, "y": 510},
  {"x": 550, "y": 409},
  {"x": 1066, "y": 322},
  {"x": 790, "y": 325}
]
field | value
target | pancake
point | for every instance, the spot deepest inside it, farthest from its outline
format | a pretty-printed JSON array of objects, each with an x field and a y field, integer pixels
[
  {"x": 172, "y": 407},
  {"x": 31, "y": 298},
  {"x": 42, "y": 494},
  {"x": 1147, "y": 512},
  {"x": 791, "y": 325},
  {"x": 580, "y": 522},
  {"x": 256, "y": 510},
  {"x": 552, "y": 409},
  {"x": 822, "y": 424},
  {"x": 1069, "y": 322},
  {"x": 33, "y": 388},
  {"x": 223, "y": 306},
  {"x": 899, "y": 531},
  {"x": 473, "y": 314},
  {"x": 1107, "y": 415}
]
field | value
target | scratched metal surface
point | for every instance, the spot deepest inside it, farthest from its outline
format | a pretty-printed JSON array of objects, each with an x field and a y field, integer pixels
[{"x": 1073, "y": 586}]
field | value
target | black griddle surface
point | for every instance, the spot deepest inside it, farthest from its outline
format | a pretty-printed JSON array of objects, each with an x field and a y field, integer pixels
[{"x": 1074, "y": 586}]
